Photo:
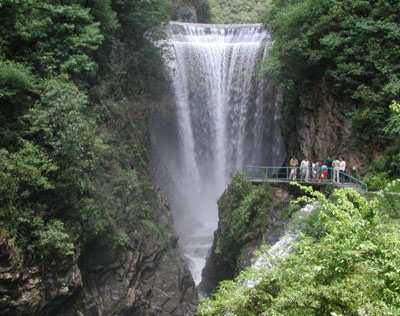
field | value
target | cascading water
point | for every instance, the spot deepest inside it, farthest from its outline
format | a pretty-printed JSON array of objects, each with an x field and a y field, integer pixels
[
  {"x": 281, "y": 249},
  {"x": 226, "y": 117}
]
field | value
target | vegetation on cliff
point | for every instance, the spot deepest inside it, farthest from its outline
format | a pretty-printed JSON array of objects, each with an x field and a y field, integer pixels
[
  {"x": 242, "y": 209},
  {"x": 352, "y": 46},
  {"x": 75, "y": 80},
  {"x": 237, "y": 11},
  {"x": 346, "y": 264}
]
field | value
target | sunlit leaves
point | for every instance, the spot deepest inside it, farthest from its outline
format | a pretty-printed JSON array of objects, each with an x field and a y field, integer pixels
[
  {"x": 393, "y": 127},
  {"x": 58, "y": 119},
  {"x": 352, "y": 269}
]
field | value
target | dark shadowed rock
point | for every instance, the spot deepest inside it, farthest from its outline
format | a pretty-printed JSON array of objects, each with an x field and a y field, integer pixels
[
  {"x": 148, "y": 278},
  {"x": 187, "y": 13},
  {"x": 32, "y": 290},
  {"x": 322, "y": 128}
]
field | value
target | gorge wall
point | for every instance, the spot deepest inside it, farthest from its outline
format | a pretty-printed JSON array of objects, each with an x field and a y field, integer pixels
[
  {"x": 148, "y": 278},
  {"x": 321, "y": 127}
]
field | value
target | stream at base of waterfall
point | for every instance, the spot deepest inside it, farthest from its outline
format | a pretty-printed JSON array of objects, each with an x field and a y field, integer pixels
[{"x": 226, "y": 116}]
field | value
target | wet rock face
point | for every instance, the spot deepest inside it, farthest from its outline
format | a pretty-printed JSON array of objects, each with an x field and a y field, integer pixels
[
  {"x": 146, "y": 279},
  {"x": 186, "y": 13},
  {"x": 323, "y": 129},
  {"x": 217, "y": 268},
  {"x": 34, "y": 291},
  {"x": 192, "y": 11}
]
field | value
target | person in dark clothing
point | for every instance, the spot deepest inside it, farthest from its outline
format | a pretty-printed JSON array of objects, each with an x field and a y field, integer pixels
[{"x": 328, "y": 163}]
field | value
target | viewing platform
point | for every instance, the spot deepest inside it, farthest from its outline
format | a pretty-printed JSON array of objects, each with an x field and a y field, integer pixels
[{"x": 259, "y": 174}]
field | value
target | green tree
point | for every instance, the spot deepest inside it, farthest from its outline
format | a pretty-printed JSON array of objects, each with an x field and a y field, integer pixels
[
  {"x": 60, "y": 124},
  {"x": 24, "y": 178},
  {"x": 237, "y": 11},
  {"x": 18, "y": 91},
  {"x": 243, "y": 207},
  {"x": 53, "y": 37},
  {"x": 393, "y": 126}
]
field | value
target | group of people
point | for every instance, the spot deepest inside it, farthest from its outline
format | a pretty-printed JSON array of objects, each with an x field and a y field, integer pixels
[{"x": 331, "y": 169}]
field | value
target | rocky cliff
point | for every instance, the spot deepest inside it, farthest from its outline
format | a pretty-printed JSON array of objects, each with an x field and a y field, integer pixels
[
  {"x": 194, "y": 11},
  {"x": 30, "y": 290},
  {"x": 149, "y": 277},
  {"x": 322, "y": 128}
]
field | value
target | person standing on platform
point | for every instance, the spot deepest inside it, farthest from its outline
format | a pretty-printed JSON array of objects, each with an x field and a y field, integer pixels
[
  {"x": 342, "y": 169},
  {"x": 328, "y": 163},
  {"x": 324, "y": 173},
  {"x": 314, "y": 171},
  {"x": 305, "y": 169},
  {"x": 319, "y": 168},
  {"x": 293, "y": 163},
  {"x": 336, "y": 167}
]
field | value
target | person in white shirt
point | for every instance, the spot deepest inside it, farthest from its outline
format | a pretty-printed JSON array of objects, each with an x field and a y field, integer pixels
[
  {"x": 342, "y": 168},
  {"x": 305, "y": 169},
  {"x": 315, "y": 170}
]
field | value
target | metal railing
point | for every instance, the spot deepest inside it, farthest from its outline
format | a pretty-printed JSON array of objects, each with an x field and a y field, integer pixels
[{"x": 309, "y": 175}]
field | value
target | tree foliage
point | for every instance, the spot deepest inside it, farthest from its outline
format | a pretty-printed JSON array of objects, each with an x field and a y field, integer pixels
[
  {"x": 352, "y": 45},
  {"x": 53, "y": 37},
  {"x": 393, "y": 126},
  {"x": 75, "y": 80},
  {"x": 243, "y": 207},
  {"x": 237, "y": 11}
]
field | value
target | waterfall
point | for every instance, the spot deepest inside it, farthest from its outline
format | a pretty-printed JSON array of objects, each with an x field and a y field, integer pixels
[
  {"x": 280, "y": 250},
  {"x": 225, "y": 117}
]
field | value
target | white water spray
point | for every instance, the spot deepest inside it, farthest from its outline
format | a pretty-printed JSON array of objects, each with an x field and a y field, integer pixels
[
  {"x": 281, "y": 249},
  {"x": 225, "y": 118}
]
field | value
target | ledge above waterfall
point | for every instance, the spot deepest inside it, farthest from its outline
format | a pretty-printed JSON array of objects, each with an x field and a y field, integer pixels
[
  {"x": 226, "y": 33},
  {"x": 218, "y": 26}
]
